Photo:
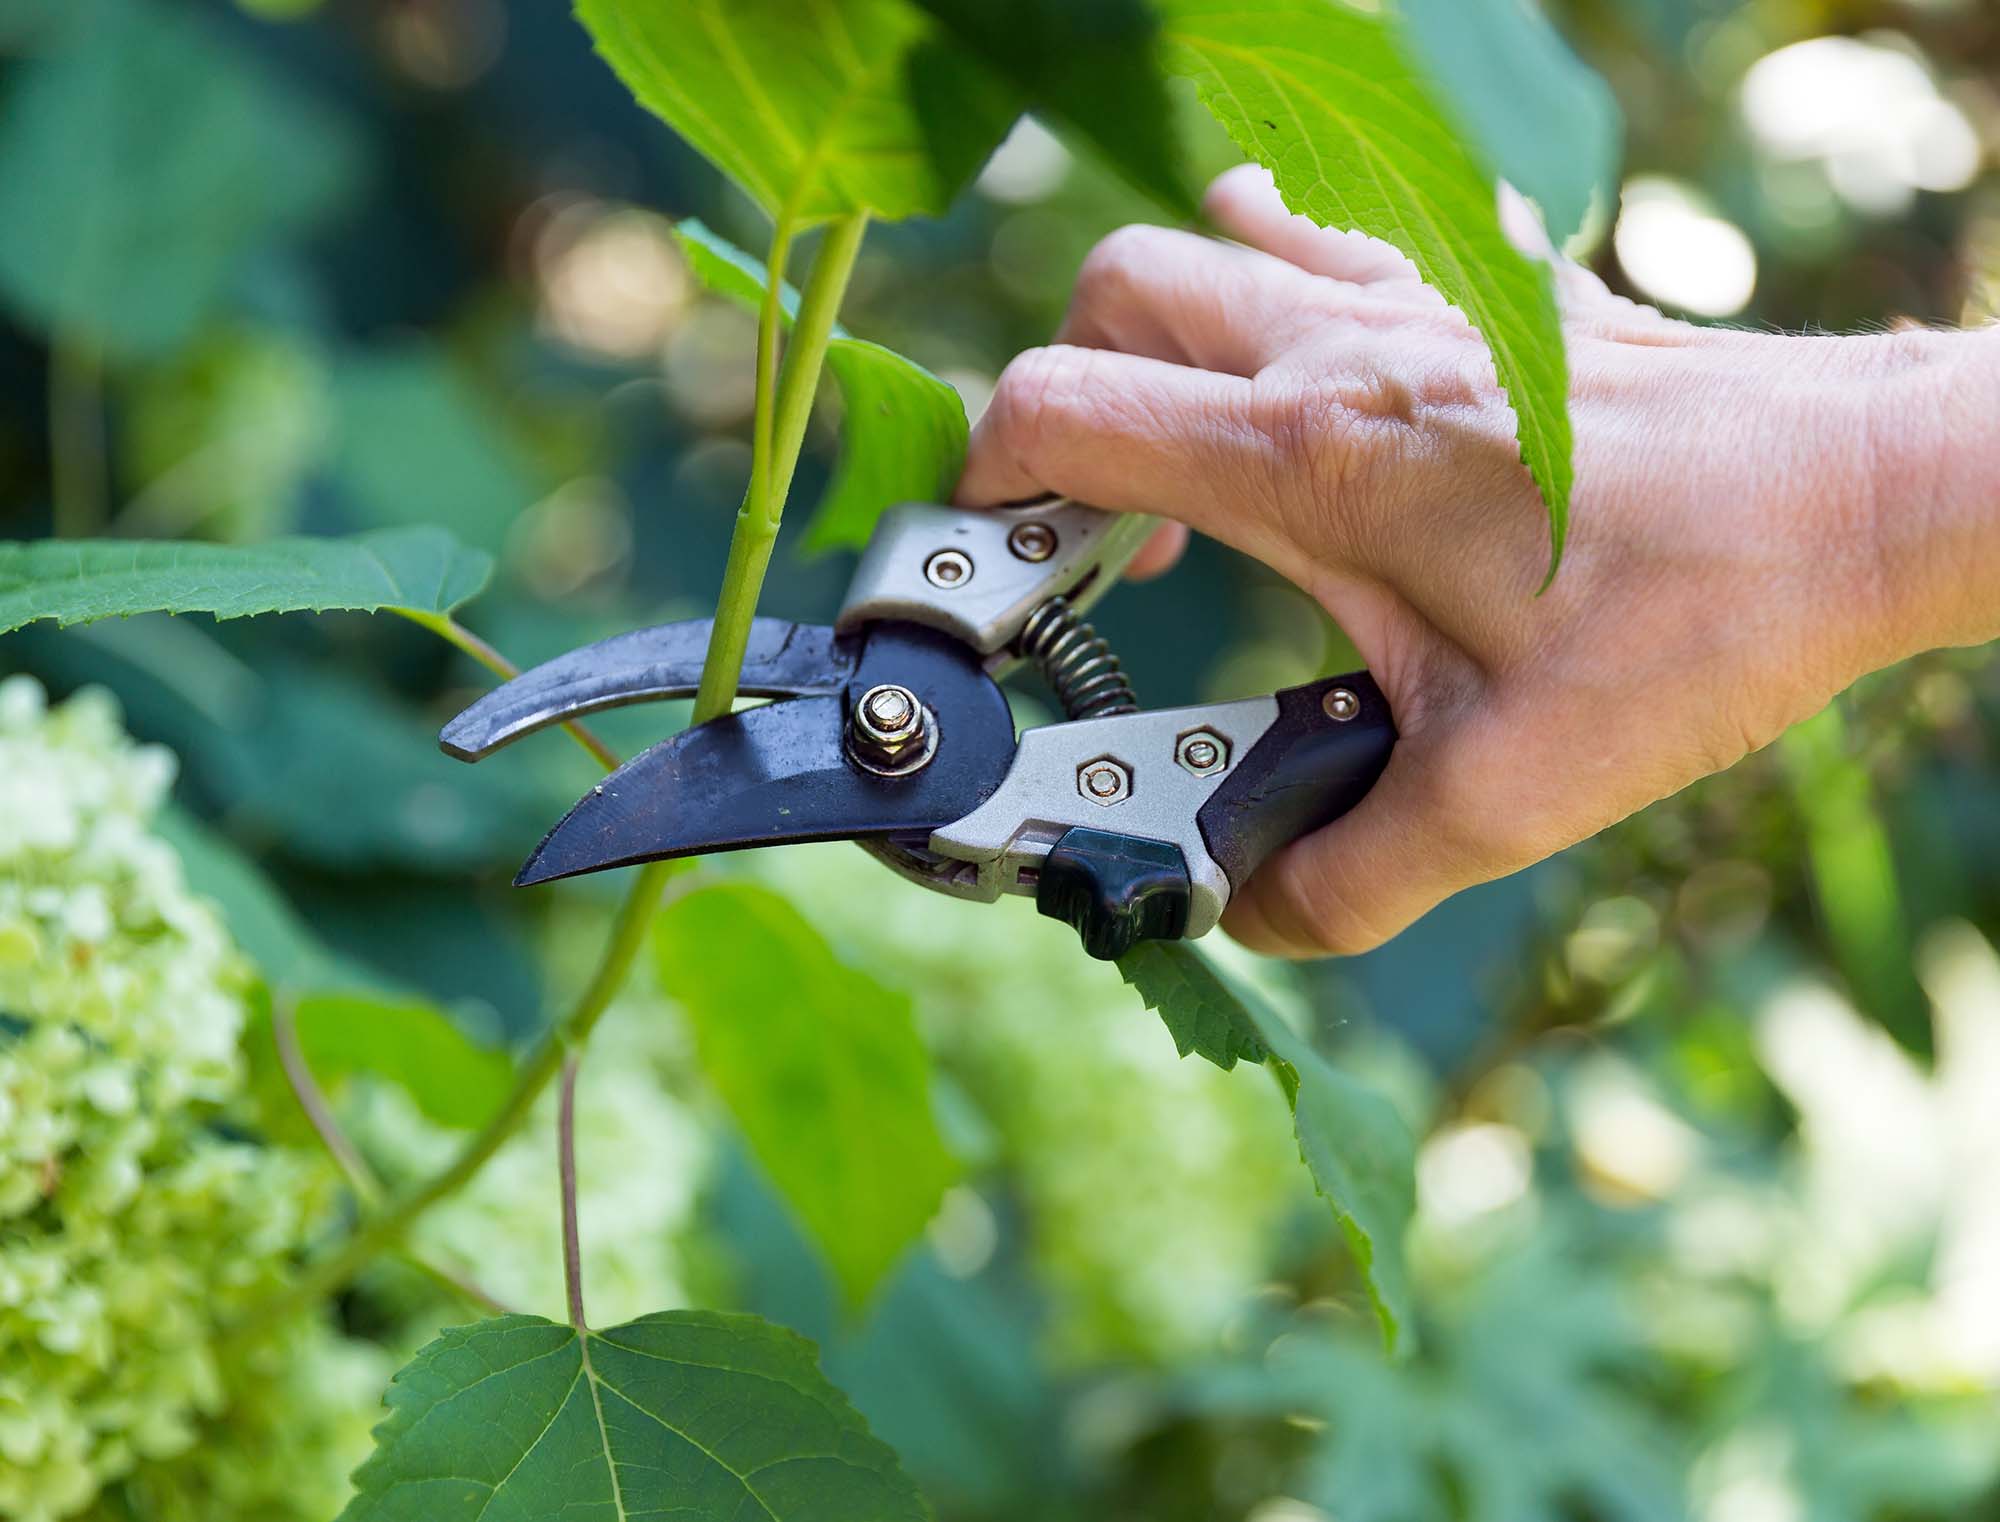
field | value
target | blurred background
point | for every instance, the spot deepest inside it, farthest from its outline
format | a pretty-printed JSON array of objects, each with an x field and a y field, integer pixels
[{"x": 1710, "y": 1180}]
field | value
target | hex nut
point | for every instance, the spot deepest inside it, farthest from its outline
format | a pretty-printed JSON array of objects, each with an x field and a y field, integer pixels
[
  {"x": 1202, "y": 752},
  {"x": 1104, "y": 781}
]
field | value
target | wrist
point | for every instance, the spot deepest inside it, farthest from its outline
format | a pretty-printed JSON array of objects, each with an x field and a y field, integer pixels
[{"x": 1929, "y": 408}]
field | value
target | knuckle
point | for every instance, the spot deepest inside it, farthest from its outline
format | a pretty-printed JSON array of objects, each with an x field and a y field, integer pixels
[
  {"x": 1033, "y": 392},
  {"x": 1112, "y": 267}
]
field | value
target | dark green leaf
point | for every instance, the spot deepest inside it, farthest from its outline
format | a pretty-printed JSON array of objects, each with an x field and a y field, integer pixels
[
  {"x": 287, "y": 954},
  {"x": 1092, "y": 66},
  {"x": 420, "y": 571},
  {"x": 903, "y": 436},
  {"x": 140, "y": 162},
  {"x": 1202, "y": 1013},
  {"x": 1320, "y": 94},
  {"x": 1542, "y": 116},
  {"x": 416, "y": 443},
  {"x": 819, "y": 1064},
  {"x": 817, "y": 109},
  {"x": 688, "y": 1414},
  {"x": 1355, "y": 1144}
]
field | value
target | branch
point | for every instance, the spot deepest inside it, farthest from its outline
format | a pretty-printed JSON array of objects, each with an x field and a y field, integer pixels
[
  {"x": 779, "y": 434},
  {"x": 445, "y": 627},
  {"x": 566, "y": 1170}
]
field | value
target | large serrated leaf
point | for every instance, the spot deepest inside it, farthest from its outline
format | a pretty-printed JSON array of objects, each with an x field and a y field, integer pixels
[
  {"x": 423, "y": 572},
  {"x": 903, "y": 436},
  {"x": 1201, "y": 1012},
  {"x": 817, "y": 108},
  {"x": 820, "y": 1066},
  {"x": 1541, "y": 116},
  {"x": 697, "y": 1415},
  {"x": 1321, "y": 94},
  {"x": 1359, "y": 1152}
]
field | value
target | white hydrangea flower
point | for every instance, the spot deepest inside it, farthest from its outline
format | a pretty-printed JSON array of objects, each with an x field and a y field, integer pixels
[{"x": 131, "y": 1226}]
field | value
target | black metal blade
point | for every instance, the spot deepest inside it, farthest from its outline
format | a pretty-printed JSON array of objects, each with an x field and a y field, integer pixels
[
  {"x": 782, "y": 773},
  {"x": 783, "y": 660}
]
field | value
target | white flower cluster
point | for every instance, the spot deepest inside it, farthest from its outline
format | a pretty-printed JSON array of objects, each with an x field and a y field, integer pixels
[{"x": 132, "y": 1224}]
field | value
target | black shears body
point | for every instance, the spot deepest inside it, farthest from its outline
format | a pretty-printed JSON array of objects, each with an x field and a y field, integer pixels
[{"x": 890, "y": 729}]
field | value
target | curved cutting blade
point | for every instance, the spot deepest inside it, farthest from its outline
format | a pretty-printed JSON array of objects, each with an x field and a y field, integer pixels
[
  {"x": 782, "y": 773},
  {"x": 783, "y": 660}
]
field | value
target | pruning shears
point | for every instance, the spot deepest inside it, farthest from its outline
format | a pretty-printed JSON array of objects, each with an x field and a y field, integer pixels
[{"x": 891, "y": 730}]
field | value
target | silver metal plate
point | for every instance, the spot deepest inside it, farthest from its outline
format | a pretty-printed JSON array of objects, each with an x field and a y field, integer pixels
[
  {"x": 1008, "y": 835},
  {"x": 986, "y": 606}
]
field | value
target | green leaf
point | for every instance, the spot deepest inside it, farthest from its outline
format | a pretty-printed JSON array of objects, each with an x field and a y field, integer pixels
[
  {"x": 1322, "y": 95},
  {"x": 1359, "y": 1152},
  {"x": 410, "y": 1043},
  {"x": 819, "y": 1064},
  {"x": 1089, "y": 65},
  {"x": 1202, "y": 1013},
  {"x": 817, "y": 108},
  {"x": 1542, "y": 116},
  {"x": 1855, "y": 888},
  {"x": 696, "y": 1415},
  {"x": 423, "y": 572},
  {"x": 417, "y": 444},
  {"x": 287, "y": 953},
  {"x": 140, "y": 163},
  {"x": 904, "y": 433}
]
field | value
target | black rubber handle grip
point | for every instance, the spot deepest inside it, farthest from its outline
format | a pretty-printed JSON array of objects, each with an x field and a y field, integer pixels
[{"x": 1330, "y": 742}]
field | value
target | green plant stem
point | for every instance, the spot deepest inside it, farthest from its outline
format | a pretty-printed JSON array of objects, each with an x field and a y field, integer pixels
[
  {"x": 77, "y": 471},
  {"x": 566, "y": 1172},
  {"x": 384, "y": 1230},
  {"x": 784, "y": 410},
  {"x": 777, "y": 439},
  {"x": 447, "y": 628}
]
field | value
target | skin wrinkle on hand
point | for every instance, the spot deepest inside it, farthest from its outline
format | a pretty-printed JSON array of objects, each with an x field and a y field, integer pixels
[{"x": 1759, "y": 520}]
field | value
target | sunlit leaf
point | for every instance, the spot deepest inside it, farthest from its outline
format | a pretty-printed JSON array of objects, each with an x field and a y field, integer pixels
[
  {"x": 1854, "y": 876},
  {"x": 1359, "y": 1152},
  {"x": 140, "y": 162},
  {"x": 1089, "y": 65},
  {"x": 420, "y": 571},
  {"x": 688, "y": 1414},
  {"x": 817, "y": 108},
  {"x": 820, "y": 1066},
  {"x": 1321, "y": 94},
  {"x": 1542, "y": 117},
  {"x": 903, "y": 436},
  {"x": 1202, "y": 1013}
]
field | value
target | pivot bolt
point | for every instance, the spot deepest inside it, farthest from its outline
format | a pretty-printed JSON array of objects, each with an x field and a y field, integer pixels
[
  {"x": 1202, "y": 752},
  {"x": 1033, "y": 542},
  {"x": 948, "y": 569},
  {"x": 1340, "y": 705},
  {"x": 889, "y": 731},
  {"x": 1104, "y": 781}
]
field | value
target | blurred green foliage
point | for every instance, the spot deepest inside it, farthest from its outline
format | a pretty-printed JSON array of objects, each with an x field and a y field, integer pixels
[{"x": 1706, "y": 1212}]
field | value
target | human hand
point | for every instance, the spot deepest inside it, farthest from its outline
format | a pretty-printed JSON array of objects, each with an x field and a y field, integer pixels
[{"x": 1740, "y": 548}]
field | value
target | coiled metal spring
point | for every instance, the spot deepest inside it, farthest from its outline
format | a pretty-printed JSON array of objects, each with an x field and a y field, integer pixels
[{"x": 1077, "y": 662}]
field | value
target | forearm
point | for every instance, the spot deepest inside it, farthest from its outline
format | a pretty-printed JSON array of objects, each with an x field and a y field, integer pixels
[{"x": 1935, "y": 419}]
